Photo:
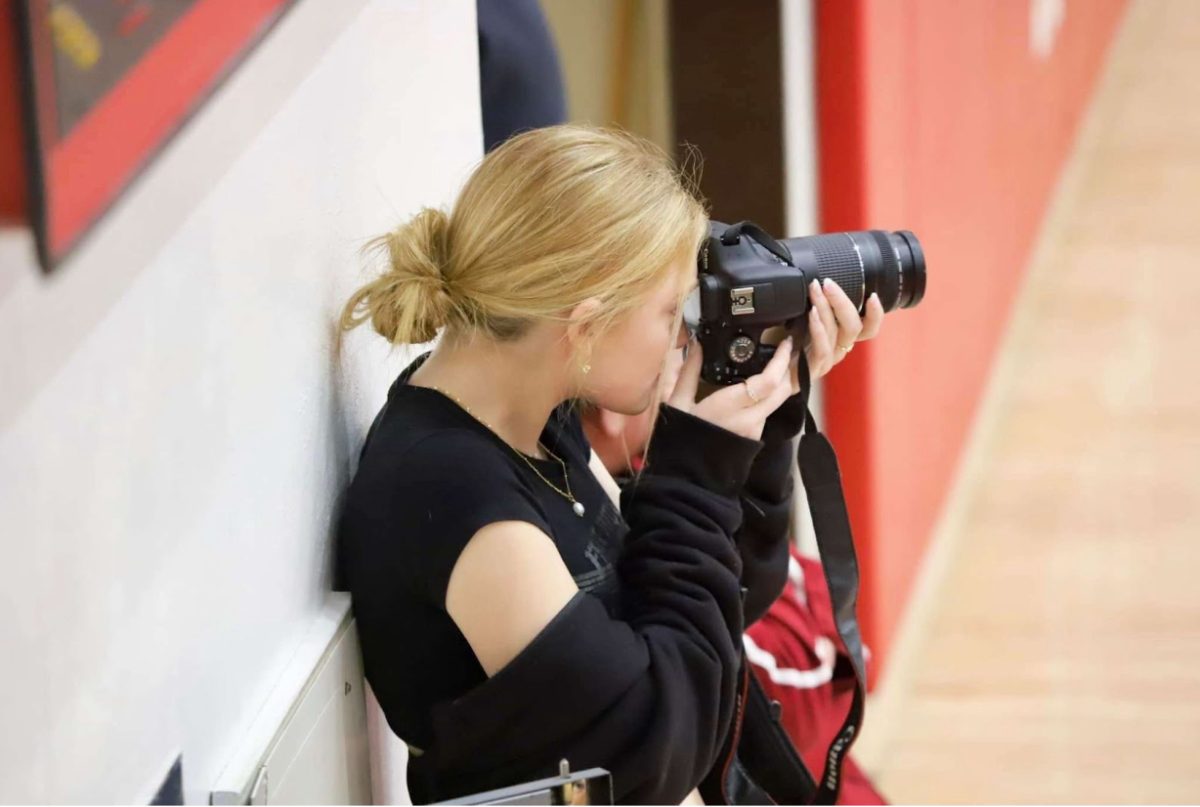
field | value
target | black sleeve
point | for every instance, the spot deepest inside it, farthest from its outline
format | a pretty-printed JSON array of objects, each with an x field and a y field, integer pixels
[
  {"x": 650, "y": 698},
  {"x": 766, "y": 499}
]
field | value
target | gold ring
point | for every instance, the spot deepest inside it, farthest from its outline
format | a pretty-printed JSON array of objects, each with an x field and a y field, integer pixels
[
  {"x": 750, "y": 392},
  {"x": 845, "y": 348}
]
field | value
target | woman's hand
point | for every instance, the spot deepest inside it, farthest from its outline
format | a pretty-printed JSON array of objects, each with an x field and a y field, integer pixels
[
  {"x": 742, "y": 408},
  {"x": 833, "y": 328}
]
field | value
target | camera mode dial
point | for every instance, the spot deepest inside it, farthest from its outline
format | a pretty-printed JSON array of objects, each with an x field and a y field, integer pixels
[{"x": 741, "y": 349}]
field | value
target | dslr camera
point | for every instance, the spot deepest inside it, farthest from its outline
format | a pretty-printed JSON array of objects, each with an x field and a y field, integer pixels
[{"x": 751, "y": 284}]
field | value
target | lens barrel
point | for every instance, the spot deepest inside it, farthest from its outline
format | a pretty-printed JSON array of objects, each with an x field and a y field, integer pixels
[{"x": 862, "y": 262}]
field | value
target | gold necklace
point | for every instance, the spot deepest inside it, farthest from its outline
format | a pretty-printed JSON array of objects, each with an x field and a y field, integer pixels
[{"x": 576, "y": 505}]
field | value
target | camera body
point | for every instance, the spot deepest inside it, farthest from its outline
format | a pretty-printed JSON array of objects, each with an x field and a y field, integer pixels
[{"x": 750, "y": 284}]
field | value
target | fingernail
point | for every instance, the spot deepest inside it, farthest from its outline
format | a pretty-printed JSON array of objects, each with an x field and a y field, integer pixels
[
  {"x": 815, "y": 285},
  {"x": 828, "y": 282},
  {"x": 875, "y": 296}
]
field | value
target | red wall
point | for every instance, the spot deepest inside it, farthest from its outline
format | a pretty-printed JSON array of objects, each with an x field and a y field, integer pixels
[
  {"x": 934, "y": 116},
  {"x": 12, "y": 156}
]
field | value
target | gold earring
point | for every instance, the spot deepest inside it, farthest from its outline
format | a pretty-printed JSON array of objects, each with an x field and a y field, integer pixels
[{"x": 587, "y": 368}]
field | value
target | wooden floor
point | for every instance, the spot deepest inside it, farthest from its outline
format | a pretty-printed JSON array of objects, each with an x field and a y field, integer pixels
[{"x": 1058, "y": 656}]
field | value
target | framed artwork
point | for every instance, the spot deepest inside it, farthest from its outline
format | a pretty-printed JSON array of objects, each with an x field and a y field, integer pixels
[{"x": 106, "y": 84}]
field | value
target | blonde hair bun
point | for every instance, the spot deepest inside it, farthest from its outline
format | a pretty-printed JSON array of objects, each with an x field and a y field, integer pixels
[{"x": 411, "y": 300}]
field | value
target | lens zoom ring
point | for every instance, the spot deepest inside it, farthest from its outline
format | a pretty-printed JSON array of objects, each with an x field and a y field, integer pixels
[
  {"x": 837, "y": 259},
  {"x": 891, "y": 263},
  {"x": 886, "y": 279}
]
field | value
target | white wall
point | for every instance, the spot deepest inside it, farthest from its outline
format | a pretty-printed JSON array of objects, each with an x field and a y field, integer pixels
[
  {"x": 173, "y": 427},
  {"x": 798, "y": 52},
  {"x": 798, "y": 48}
]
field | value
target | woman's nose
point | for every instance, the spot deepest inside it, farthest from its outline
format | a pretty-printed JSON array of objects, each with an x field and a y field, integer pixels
[{"x": 683, "y": 336}]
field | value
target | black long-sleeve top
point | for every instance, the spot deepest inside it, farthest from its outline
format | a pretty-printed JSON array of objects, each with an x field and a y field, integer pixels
[{"x": 638, "y": 673}]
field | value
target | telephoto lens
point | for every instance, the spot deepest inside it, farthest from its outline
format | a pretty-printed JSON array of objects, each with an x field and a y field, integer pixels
[
  {"x": 751, "y": 285},
  {"x": 890, "y": 264}
]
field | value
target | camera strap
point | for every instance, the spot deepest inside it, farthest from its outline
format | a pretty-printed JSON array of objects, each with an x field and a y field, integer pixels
[
  {"x": 831, "y": 522},
  {"x": 734, "y": 232}
]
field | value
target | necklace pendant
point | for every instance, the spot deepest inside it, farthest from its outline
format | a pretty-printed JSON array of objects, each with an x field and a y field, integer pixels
[{"x": 578, "y": 508}]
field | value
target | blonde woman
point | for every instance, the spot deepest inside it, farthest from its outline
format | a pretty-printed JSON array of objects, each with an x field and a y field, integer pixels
[{"x": 510, "y": 616}]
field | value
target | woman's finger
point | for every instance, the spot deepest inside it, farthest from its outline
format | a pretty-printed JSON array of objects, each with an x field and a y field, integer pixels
[
  {"x": 684, "y": 395},
  {"x": 783, "y": 392},
  {"x": 825, "y": 312},
  {"x": 777, "y": 367},
  {"x": 762, "y": 386},
  {"x": 820, "y": 349},
  {"x": 794, "y": 371},
  {"x": 779, "y": 393},
  {"x": 849, "y": 323},
  {"x": 873, "y": 320}
]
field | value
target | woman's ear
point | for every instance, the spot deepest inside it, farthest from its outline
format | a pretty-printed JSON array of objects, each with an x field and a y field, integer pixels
[{"x": 579, "y": 322}]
